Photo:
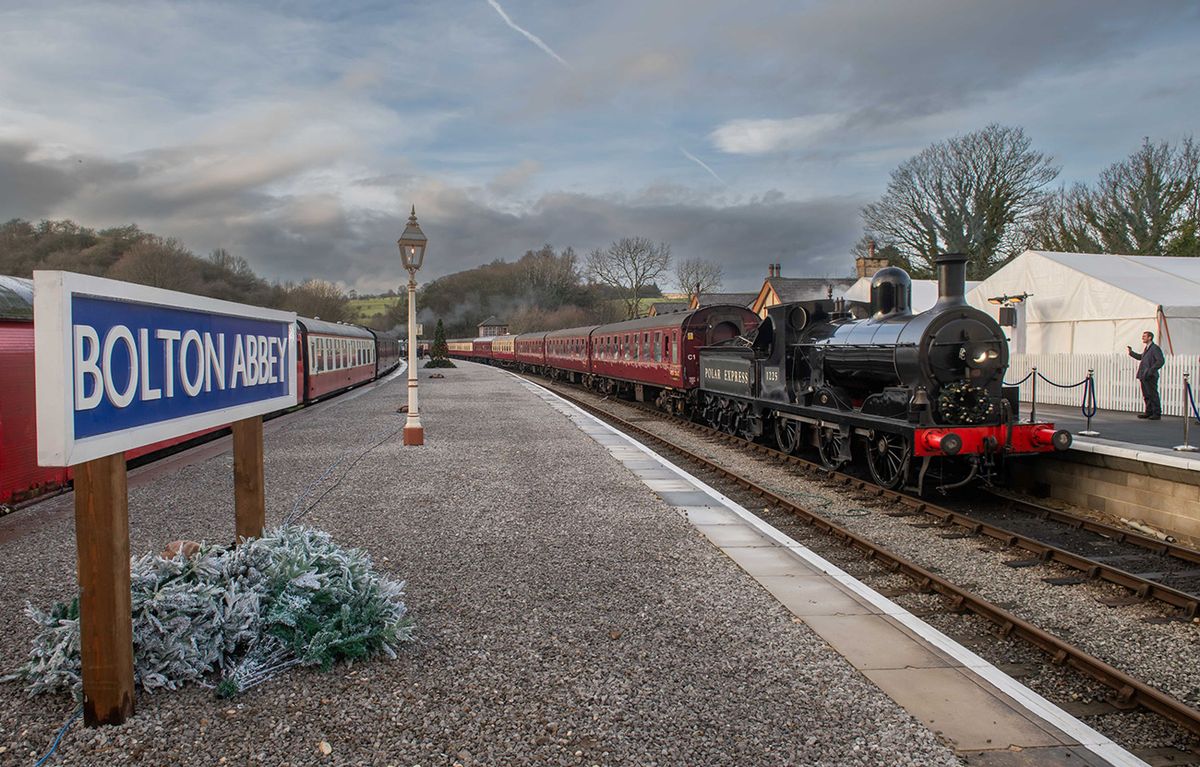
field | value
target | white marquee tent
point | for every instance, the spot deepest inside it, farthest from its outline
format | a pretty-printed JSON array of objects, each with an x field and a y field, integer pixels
[{"x": 1087, "y": 303}]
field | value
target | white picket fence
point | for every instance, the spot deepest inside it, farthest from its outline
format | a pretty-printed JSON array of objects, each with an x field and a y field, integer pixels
[{"x": 1116, "y": 386}]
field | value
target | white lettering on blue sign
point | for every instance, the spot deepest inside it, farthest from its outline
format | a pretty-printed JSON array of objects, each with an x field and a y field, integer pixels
[
  {"x": 120, "y": 366},
  {"x": 200, "y": 363}
]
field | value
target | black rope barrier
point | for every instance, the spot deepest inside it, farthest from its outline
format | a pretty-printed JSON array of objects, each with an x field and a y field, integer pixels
[
  {"x": 1061, "y": 386},
  {"x": 1087, "y": 405},
  {"x": 1018, "y": 383}
]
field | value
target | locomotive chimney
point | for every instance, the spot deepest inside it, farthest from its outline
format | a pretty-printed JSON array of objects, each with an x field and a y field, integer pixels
[{"x": 952, "y": 278}]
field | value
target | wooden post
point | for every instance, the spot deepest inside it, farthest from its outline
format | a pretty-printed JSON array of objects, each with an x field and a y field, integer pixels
[
  {"x": 105, "y": 615},
  {"x": 250, "y": 505}
]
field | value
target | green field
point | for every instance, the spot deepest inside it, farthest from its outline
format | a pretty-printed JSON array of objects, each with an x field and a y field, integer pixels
[{"x": 364, "y": 309}]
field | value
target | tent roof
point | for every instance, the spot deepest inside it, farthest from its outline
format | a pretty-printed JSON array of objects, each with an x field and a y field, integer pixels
[{"x": 1084, "y": 286}]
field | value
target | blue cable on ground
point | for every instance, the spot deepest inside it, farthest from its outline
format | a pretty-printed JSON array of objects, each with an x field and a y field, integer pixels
[{"x": 62, "y": 731}]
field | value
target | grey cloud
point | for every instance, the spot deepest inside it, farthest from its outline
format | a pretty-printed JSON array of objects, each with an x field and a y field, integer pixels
[
  {"x": 868, "y": 60},
  {"x": 294, "y": 237},
  {"x": 28, "y": 187}
]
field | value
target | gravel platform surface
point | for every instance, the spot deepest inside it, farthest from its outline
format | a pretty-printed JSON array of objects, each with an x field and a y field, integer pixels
[{"x": 565, "y": 615}]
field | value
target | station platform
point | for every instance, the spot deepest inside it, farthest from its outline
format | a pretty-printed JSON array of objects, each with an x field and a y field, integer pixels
[
  {"x": 578, "y": 600},
  {"x": 1120, "y": 429}
]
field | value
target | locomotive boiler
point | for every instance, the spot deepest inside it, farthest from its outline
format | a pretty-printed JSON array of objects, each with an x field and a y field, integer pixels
[{"x": 920, "y": 396}]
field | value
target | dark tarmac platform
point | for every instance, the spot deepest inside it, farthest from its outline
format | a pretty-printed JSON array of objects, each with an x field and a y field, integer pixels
[{"x": 1119, "y": 429}]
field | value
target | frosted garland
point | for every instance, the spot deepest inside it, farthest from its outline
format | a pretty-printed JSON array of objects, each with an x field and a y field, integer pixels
[{"x": 244, "y": 614}]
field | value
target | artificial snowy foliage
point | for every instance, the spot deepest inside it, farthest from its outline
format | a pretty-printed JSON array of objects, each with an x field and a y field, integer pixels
[{"x": 292, "y": 597}]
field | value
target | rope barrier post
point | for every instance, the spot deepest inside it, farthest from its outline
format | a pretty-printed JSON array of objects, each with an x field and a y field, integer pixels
[
  {"x": 1033, "y": 396},
  {"x": 1186, "y": 447},
  {"x": 1089, "y": 404}
]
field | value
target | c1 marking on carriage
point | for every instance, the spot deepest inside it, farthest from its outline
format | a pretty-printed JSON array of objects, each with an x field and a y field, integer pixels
[{"x": 120, "y": 366}]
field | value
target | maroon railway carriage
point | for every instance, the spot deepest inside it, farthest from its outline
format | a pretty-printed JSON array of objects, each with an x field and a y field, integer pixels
[
  {"x": 335, "y": 357},
  {"x": 459, "y": 348},
  {"x": 387, "y": 352},
  {"x": 481, "y": 348},
  {"x": 20, "y": 476},
  {"x": 504, "y": 350},
  {"x": 568, "y": 352},
  {"x": 663, "y": 351},
  {"x": 531, "y": 351}
]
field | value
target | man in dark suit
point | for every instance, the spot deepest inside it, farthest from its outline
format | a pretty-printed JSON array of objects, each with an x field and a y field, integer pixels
[{"x": 1152, "y": 361}]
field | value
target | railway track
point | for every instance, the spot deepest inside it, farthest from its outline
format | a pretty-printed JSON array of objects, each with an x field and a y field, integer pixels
[
  {"x": 1161, "y": 570},
  {"x": 1127, "y": 691}
]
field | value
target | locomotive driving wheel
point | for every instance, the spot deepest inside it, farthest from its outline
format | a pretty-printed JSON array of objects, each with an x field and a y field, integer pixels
[
  {"x": 787, "y": 434},
  {"x": 830, "y": 444},
  {"x": 888, "y": 458}
]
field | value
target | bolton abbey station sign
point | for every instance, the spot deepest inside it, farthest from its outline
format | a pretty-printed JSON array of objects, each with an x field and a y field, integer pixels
[{"x": 120, "y": 366}]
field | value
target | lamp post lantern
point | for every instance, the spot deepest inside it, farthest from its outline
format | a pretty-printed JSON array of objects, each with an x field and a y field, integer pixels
[{"x": 412, "y": 253}]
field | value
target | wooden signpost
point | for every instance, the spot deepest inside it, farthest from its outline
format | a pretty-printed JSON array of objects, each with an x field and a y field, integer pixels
[{"x": 120, "y": 366}]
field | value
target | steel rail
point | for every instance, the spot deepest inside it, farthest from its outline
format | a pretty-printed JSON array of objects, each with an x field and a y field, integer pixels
[
  {"x": 1129, "y": 690},
  {"x": 1119, "y": 534}
]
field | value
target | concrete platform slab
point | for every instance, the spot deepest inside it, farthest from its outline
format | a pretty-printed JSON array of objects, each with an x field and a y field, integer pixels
[
  {"x": 957, "y": 708},
  {"x": 871, "y": 642},
  {"x": 813, "y": 595},
  {"x": 733, "y": 535}
]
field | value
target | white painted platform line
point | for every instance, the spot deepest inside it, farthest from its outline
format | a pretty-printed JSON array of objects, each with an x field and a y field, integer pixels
[{"x": 1035, "y": 704}]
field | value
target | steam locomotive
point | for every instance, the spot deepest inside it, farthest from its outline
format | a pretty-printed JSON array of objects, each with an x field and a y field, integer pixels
[{"x": 920, "y": 396}]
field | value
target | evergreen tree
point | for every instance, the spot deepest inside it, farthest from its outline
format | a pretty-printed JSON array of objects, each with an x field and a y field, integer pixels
[{"x": 439, "y": 353}]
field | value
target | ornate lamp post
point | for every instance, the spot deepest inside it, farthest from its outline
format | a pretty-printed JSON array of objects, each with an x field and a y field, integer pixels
[{"x": 412, "y": 253}]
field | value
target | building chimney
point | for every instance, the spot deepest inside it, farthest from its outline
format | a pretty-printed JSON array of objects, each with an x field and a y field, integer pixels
[
  {"x": 952, "y": 278},
  {"x": 770, "y": 270},
  {"x": 866, "y": 266},
  {"x": 778, "y": 270}
]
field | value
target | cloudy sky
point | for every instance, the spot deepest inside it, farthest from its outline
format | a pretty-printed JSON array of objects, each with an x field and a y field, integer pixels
[{"x": 297, "y": 132}]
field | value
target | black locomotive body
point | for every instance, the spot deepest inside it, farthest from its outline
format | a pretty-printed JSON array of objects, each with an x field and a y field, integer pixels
[{"x": 921, "y": 395}]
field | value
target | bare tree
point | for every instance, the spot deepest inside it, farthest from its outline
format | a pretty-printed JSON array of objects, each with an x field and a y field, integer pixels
[
  {"x": 553, "y": 278},
  {"x": 1061, "y": 225},
  {"x": 695, "y": 275},
  {"x": 160, "y": 263},
  {"x": 1144, "y": 205},
  {"x": 317, "y": 298},
  {"x": 629, "y": 265},
  {"x": 972, "y": 194}
]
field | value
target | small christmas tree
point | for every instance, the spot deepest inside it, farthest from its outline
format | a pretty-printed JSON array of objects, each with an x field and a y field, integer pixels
[{"x": 439, "y": 353}]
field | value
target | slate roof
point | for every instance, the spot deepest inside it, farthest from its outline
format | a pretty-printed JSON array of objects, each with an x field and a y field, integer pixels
[
  {"x": 791, "y": 289},
  {"x": 666, "y": 307},
  {"x": 737, "y": 299}
]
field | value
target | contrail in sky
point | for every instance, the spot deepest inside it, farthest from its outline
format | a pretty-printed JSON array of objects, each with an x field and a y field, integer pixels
[
  {"x": 531, "y": 37},
  {"x": 699, "y": 162}
]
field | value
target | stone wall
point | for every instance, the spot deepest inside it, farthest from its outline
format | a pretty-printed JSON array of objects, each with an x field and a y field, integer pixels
[{"x": 1164, "y": 497}]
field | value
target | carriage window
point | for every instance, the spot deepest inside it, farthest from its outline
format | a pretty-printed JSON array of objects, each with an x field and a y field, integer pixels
[
  {"x": 658, "y": 347},
  {"x": 628, "y": 351},
  {"x": 667, "y": 347},
  {"x": 646, "y": 346},
  {"x": 675, "y": 353}
]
